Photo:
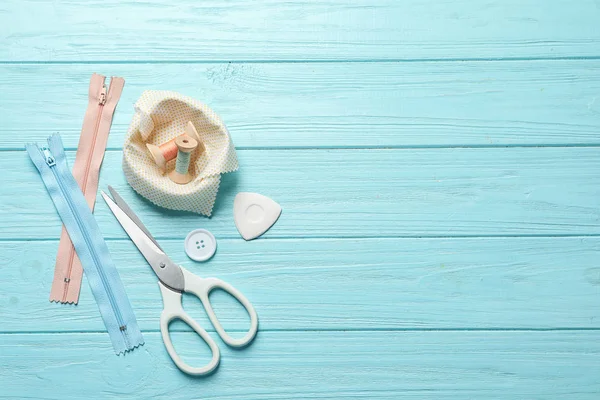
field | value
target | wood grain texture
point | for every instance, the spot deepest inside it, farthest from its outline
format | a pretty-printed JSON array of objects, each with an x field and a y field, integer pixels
[
  {"x": 356, "y": 193},
  {"x": 312, "y": 365},
  {"x": 324, "y": 284},
  {"x": 330, "y": 104},
  {"x": 81, "y": 30},
  {"x": 438, "y": 164}
]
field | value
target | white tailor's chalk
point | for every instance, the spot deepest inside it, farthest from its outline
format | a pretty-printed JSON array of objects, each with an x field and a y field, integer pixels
[{"x": 254, "y": 214}]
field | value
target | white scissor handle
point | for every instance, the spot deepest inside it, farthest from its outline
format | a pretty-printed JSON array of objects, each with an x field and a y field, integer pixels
[
  {"x": 173, "y": 309},
  {"x": 202, "y": 287}
]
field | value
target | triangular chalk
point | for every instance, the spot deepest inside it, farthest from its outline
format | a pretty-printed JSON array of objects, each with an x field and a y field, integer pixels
[{"x": 254, "y": 214}]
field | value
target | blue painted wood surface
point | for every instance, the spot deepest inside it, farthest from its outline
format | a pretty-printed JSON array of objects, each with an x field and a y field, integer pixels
[{"x": 438, "y": 164}]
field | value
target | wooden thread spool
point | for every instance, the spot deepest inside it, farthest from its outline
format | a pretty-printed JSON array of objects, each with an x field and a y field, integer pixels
[
  {"x": 168, "y": 151},
  {"x": 185, "y": 145}
]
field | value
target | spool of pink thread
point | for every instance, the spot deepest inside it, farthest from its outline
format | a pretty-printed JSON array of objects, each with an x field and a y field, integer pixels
[{"x": 168, "y": 151}]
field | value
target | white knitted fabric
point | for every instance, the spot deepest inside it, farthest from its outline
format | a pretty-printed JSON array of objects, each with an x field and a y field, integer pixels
[{"x": 159, "y": 117}]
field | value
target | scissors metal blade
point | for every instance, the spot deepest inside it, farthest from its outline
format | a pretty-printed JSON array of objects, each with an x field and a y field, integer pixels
[
  {"x": 166, "y": 270},
  {"x": 129, "y": 212}
]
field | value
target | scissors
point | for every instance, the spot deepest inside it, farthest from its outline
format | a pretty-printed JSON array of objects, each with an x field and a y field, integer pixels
[{"x": 173, "y": 280}]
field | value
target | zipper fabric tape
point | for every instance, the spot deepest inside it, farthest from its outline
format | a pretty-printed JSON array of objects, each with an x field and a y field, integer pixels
[
  {"x": 86, "y": 170},
  {"x": 85, "y": 234}
]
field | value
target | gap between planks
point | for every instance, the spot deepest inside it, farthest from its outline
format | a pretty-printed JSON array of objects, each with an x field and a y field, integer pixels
[
  {"x": 211, "y": 329},
  {"x": 304, "y": 61},
  {"x": 313, "y": 238},
  {"x": 378, "y": 147},
  {"x": 381, "y": 147}
]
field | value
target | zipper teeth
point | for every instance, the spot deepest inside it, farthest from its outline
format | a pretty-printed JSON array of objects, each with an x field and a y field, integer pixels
[
  {"x": 111, "y": 298},
  {"x": 67, "y": 279},
  {"x": 85, "y": 178}
]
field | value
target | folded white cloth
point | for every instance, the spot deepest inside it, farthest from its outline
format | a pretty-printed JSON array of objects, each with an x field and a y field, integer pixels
[{"x": 159, "y": 117}]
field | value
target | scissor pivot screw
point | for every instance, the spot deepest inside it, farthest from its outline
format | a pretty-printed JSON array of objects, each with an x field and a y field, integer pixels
[{"x": 162, "y": 265}]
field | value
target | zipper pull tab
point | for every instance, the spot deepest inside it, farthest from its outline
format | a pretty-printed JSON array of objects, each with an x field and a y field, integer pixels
[
  {"x": 102, "y": 99},
  {"x": 49, "y": 157}
]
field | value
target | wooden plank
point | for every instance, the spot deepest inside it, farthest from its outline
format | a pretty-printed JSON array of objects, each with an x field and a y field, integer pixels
[
  {"x": 350, "y": 193},
  {"x": 82, "y": 30},
  {"x": 524, "y": 283},
  {"x": 312, "y": 365},
  {"x": 330, "y": 105}
]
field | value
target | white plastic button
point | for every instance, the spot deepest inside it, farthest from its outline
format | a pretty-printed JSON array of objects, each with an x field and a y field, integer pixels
[{"x": 200, "y": 245}]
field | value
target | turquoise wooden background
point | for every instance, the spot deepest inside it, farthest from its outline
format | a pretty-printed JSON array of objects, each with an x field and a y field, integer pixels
[{"x": 438, "y": 163}]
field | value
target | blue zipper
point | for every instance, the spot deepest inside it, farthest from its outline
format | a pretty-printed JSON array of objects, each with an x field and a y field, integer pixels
[
  {"x": 103, "y": 277},
  {"x": 51, "y": 162}
]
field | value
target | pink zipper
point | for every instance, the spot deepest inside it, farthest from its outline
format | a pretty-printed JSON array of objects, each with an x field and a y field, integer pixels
[{"x": 86, "y": 168}]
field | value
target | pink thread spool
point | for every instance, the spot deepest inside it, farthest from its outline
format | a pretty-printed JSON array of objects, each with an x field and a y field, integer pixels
[{"x": 168, "y": 151}]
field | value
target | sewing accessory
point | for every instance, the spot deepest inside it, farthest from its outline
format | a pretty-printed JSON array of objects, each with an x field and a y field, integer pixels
[
  {"x": 159, "y": 117},
  {"x": 254, "y": 214},
  {"x": 200, "y": 245},
  {"x": 91, "y": 248},
  {"x": 173, "y": 280},
  {"x": 86, "y": 169},
  {"x": 168, "y": 151},
  {"x": 185, "y": 146}
]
